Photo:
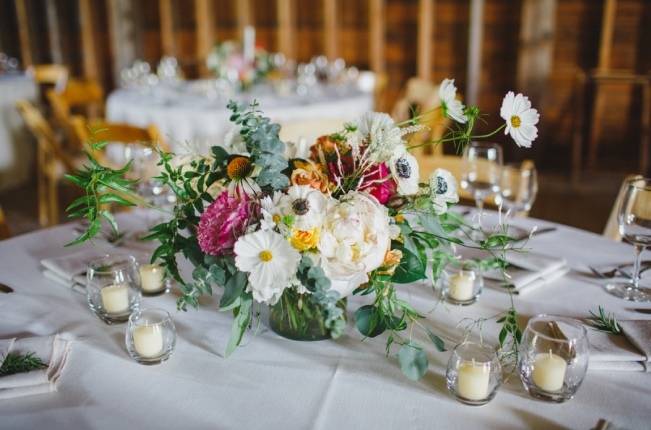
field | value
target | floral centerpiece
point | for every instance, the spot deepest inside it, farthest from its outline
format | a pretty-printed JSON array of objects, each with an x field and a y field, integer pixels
[
  {"x": 227, "y": 61},
  {"x": 299, "y": 230}
]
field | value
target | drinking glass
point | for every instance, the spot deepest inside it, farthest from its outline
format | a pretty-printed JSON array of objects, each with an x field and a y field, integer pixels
[
  {"x": 150, "y": 336},
  {"x": 518, "y": 188},
  {"x": 553, "y": 357},
  {"x": 474, "y": 373},
  {"x": 634, "y": 219},
  {"x": 481, "y": 173},
  {"x": 113, "y": 287}
]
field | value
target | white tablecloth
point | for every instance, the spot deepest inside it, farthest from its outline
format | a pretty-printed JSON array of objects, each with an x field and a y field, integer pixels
[
  {"x": 16, "y": 145},
  {"x": 274, "y": 383},
  {"x": 188, "y": 113}
]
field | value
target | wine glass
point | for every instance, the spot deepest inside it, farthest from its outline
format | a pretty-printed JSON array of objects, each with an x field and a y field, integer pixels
[
  {"x": 634, "y": 219},
  {"x": 481, "y": 173},
  {"x": 518, "y": 188}
]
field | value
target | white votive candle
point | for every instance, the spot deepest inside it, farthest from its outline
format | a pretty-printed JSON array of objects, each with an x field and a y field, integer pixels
[
  {"x": 152, "y": 278},
  {"x": 549, "y": 371},
  {"x": 148, "y": 340},
  {"x": 461, "y": 287},
  {"x": 115, "y": 298},
  {"x": 472, "y": 380}
]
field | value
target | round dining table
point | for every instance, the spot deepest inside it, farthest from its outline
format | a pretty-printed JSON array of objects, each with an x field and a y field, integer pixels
[{"x": 273, "y": 383}]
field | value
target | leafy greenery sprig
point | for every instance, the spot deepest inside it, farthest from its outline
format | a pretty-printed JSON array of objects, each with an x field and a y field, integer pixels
[
  {"x": 19, "y": 363},
  {"x": 603, "y": 321}
]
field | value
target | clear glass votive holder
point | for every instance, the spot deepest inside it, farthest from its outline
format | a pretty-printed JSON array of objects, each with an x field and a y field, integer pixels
[
  {"x": 474, "y": 373},
  {"x": 553, "y": 357},
  {"x": 153, "y": 280},
  {"x": 112, "y": 287},
  {"x": 150, "y": 336},
  {"x": 461, "y": 285}
]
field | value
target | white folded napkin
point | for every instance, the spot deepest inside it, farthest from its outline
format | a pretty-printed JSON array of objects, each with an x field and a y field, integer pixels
[
  {"x": 628, "y": 353},
  {"x": 52, "y": 350},
  {"x": 529, "y": 271},
  {"x": 70, "y": 270}
]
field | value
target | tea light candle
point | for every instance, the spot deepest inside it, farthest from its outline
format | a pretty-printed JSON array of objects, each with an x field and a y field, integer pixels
[
  {"x": 148, "y": 340},
  {"x": 461, "y": 287},
  {"x": 472, "y": 380},
  {"x": 549, "y": 371},
  {"x": 151, "y": 278},
  {"x": 115, "y": 298}
]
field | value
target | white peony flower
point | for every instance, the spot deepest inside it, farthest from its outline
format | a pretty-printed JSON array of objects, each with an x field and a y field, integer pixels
[
  {"x": 452, "y": 108},
  {"x": 404, "y": 170},
  {"x": 521, "y": 119},
  {"x": 306, "y": 205},
  {"x": 299, "y": 149},
  {"x": 443, "y": 190},
  {"x": 270, "y": 262},
  {"x": 354, "y": 240},
  {"x": 380, "y": 134}
]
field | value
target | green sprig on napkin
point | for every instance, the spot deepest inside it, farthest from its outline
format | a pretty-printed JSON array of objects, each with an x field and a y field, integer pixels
[
  {"x": 20, "y": 363},
  {"x": 603, "y": 321}
]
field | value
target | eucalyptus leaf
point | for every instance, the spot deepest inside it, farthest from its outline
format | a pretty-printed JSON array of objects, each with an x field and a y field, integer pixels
[{"x": 413, "y": 361}]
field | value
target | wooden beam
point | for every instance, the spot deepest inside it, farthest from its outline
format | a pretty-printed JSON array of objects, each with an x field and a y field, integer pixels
[
  {"x": 330, "y": 28},
  {"x": 425, "y": 31},
  {"x": 244, "y": 15},
  {"x": 204, "y": 16},
  {"x": 167, "y": 27},
  {"x": 122, "y": 32},
  {"x": 376, "y": 36},
  {"x": 607, "y": 29},
  {"x": 91, "y": 71},
  {"x": 53, "y": 31},
  {"x": 23, "y": 33},
  {"x": 286, "y": 28},
  {"x": 474, "y": 51}
]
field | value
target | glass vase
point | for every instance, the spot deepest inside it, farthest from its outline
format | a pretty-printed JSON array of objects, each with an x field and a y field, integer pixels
[{"x": 297, "y": 317}]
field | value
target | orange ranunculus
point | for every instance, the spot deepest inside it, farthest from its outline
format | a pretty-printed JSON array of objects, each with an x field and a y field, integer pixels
[
  {"x": 391, "y": 260},
  {"x": 309, "y": 173},
  {"x": 324, "y": 148},
  {"x": 303, "y": 240}
]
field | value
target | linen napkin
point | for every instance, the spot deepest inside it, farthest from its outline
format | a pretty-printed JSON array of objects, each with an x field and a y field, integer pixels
[
  {"x": 628, "y": 353},
  {"x": 52, "y": 350},
  {"x": 528, "y": 271},
  {"x": 70, "y": 270}
]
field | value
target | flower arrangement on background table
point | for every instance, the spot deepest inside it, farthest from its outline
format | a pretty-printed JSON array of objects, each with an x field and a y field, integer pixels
[
  {"x": 301, "y": 229},
  {"x": 229, "y": 61}
]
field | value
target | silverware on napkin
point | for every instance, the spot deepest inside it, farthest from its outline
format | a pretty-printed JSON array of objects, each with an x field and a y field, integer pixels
[{"x": 535, "y": 233}]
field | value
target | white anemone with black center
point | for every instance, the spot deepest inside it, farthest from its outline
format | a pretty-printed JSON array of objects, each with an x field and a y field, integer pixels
[
  {"x": 305, "y": 205},
  {"x": 443, "y": 190},
  {"x": 404, "y": 171}
]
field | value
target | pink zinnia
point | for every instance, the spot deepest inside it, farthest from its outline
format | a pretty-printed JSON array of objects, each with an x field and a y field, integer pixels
[
  {"x": 379, "y": 184},
  {"x": 222, "y": 223}
]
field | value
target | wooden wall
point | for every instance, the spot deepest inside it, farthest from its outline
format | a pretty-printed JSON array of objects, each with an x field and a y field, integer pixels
[{"x": 404, "y": 38}]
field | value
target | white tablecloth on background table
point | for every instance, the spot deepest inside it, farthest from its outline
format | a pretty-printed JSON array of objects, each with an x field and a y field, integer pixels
[
  {"x": 272, "y": 382},
  {"x": 16, "y": 145},
  {"x": 187, "y": 113}
]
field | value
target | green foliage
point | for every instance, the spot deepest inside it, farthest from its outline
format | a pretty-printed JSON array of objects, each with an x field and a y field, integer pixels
[
  {"x": 241, "y": 320},
  {"x": 411, "y": 268},
  {"x": 603, "y": 321},
  {"x": 19, "y": 363},
  {"x": 413, "y": 361},
  {"x": 509, "y": 328}
]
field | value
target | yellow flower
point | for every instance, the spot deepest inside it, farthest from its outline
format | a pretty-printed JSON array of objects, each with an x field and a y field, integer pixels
[
  {"x": 400, "y": 218},
  {"x": 309, "y": 173},
  {"x": 391, "y": 260},
  {"x": 305, "y": 239}
]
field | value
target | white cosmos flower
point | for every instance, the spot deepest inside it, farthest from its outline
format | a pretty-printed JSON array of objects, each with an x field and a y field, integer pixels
[
  {"x": 380, "y": 134},
  {"x": 443, "y": 190},
  {"x": 521, "y": 119},
  {"x": 452, "y": 108},
  {"x": 270, "y": 211},
  {"x": 306, "y": 205},
  {"x": 354, "y": 240},
  {"x": 270, "y": 262},
  {"x": 404, "y": 170}
]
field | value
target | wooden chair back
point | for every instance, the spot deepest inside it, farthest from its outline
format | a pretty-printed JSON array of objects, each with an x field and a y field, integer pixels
[
  {"x": 611, "y": 230},
  {"x": 4, "y": 227},
  {"x": 49, "y": 74}
]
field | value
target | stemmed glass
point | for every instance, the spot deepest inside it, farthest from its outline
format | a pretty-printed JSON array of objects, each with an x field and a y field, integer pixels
[
  {"x": 634, "y": 219},
  {"x": 482, "y": 173},
  {"x": 518, "y": 188}
]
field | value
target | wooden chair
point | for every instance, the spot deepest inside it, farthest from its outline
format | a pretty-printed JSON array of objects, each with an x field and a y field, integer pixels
[
  {"x": 4, "y": 228},
  {"x": 611, "y": 230},
  {"x": 421, "y": 96},
  {"x": 52, "y": 163},
  {"x": 49, "y": 74}
]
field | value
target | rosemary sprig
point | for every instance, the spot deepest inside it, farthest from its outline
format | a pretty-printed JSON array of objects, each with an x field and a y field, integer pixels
[
  {"x": 20, "y": 363},
  {"x": 605, "y": 322}
]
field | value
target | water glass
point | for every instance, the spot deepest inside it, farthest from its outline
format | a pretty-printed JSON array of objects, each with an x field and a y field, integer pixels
[
  {"x": 474, "y": 373},
  {"x": 518, "y": 188},
  {"x": 553, "y": 357},
  {"x": 150, "y": 336},
  {"x": 113, "y": 287},
  {"x": 482, "y": 170},
  {"x": 634, "y": 218}
]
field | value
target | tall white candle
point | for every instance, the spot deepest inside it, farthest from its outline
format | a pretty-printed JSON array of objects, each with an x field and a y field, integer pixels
[
  {"x": 148, "y": 340},
  {"x": 461, "y": 287},
  {"x": 115, "y": 298},
  {"x": 151, "y": 277},
  {"x": 549, "y": 371},
  {"x": 473, "y": 379},
  {"x": 249, "y": 43}
]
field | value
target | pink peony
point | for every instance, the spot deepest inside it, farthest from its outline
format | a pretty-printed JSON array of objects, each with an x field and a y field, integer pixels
[
  {"x": 381, "y": 190},
  {"x": 222, "y": 223}
]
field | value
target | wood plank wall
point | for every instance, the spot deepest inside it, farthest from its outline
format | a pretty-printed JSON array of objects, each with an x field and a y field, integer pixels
[{"x": 397, "y": 40}]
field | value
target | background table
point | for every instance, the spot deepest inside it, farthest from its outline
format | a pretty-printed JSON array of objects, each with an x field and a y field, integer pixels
[
  {"x": 188, "y": 112},
  {"x": 16, "y": 146},
  {"x": 272, "y": 382}
]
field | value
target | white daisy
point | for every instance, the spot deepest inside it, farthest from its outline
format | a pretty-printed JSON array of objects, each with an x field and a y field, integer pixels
[
  {"x": 443, "y": 190},
  {"x": 305, "y": 205},
  {"x": 380, "y": 134},
  {"x": 404, "y": 170},
  {"x": 521, "y": 119},
  {"x": 270, "y": 211},
  {"x": 452, "y": 108},
  {"x": 270, "y": 262}
]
